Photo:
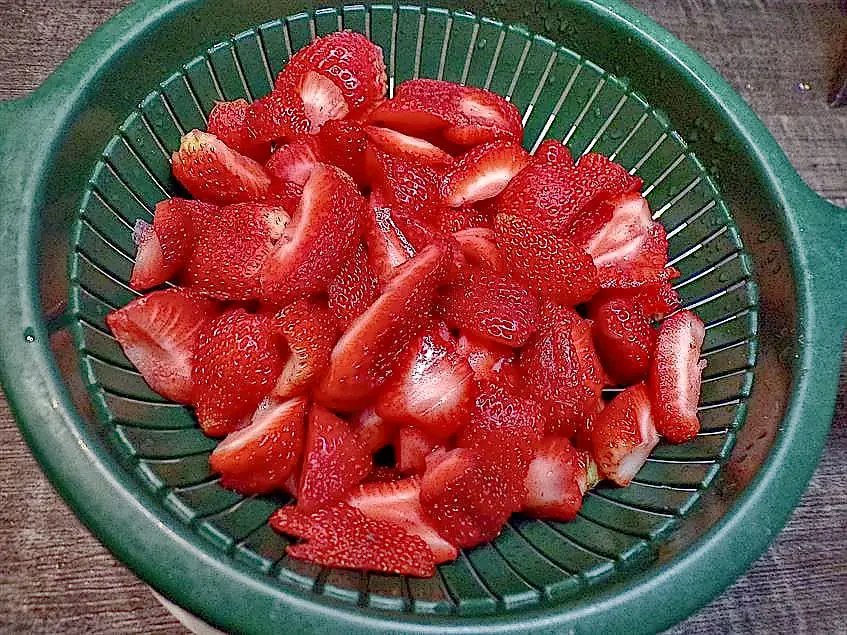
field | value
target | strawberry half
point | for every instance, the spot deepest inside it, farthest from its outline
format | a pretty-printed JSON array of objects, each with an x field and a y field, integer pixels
[
  {"x": 373, "y": 431},
  {"x": 411, "y": 447},
  {"x": 350, "y": 61},
  {"x": 157, "y": 334},
  {"x": 388, "y": 247},
  {"x": 343, "y": 144},
  {"x": 277, "y": 116},
  {"x": 407, "y": 147},
  {"x": 294, "y": 161},
  {"x": 259, "y": 458},
  {"x": 553, "y": 267},
  {"x": 399, "y": 502},
  {"x": 365, "y": 354},
  {"x": 676, "y": 375},
  {"x": 323, "y": 235},
  {"x": 483, "y": 172},
  {"x": 236, "y": 362},
  {"x": 310, "y": 332},
  {"x": 553, "y": 153},
  {"x": 228, "y": 122},
  {"x": 353, "y": 289},
  {"x": 485, "y": 358},
  {"x": 624, "y": 338},
  {"x": 401, "y": 182},
  {"x": 230, "y": 247},
  {"x": 479, "y": 248},
  {"x": 213, "y": 172},
  {"x": 562, "y": 371},
  {"x": 491, "y": 306},
  {"x": 557, "y": 480},
  {"x": 655, "y": 299},
  {"x": 624, "y": 434},
  {"x": 284, "y": 194},
  {"x": 455, "y": 219},
  {"x": 621, "y": 240},
  {"x": 334, "y": 462},
  {"x": 600, "y": 173},
  {"x": 431, "y": 387}
]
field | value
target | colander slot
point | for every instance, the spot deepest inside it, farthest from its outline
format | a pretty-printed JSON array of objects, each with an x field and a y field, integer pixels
[
  {"x": 161, "y": 122},
  {"x": 661, "y": 499},
  {"x": 146, "y": 443},
  {"x": 182, "y": 472},
  {"x": 463, "y": 28},
  {"x": 599, "y": 114},
  {"x": 694, "y": 474},
  {"x": 601, "y": 540},
  {"x": 534, "y": 71},
  {"x": 616, "y": 515},
  {"x": 261, "y": 548},
  {"x": 606, "y": 124},
  {"x": 485, "y": 54},
  {"x": 255, "y": 67},
  {"x": 242, "y": 519},
  {"x": 120, "y": 199},
  {"x": 560, "y": 549},
  {"x": 533, "y": 566},
  {"x": 409, "y": 25},
  {"x": 430, "y": 595},
  {"x": 508, "y": 63},
  {"x": 500, "y": 577},
  {"x": 344, "y": 585},
  {"x": 465, "y": 586},
  {"x": 134, "y": 413},
  {"x": 183, "y": 103},
  {"x": 201, "y": 84},
  {"x": 386, "y": 592},
  {"x": 100, "y": 284},
  {"x": 703, "y": 448},
  {"x": 124, "y": 154},
  {"x": 276, "y": 45},
  {"x": 539, "y": 89}
]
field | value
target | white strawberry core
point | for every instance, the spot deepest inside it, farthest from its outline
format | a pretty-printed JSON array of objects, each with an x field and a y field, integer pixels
[
  {"x": 480, "y": 112},
  {"x": 322, "y": 100},
  {"x": 637, "y": 456},
  {"x": 621, "y": 238},
  {"x": 267, "y": 415}
]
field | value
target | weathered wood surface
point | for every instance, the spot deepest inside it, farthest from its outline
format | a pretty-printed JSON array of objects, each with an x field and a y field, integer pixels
[{"x": 779, "y": 54}]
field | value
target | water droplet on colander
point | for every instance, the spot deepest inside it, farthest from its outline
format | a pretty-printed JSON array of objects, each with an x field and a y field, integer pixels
[
  {"x": 615, "y": 133},
  {"x": 29, "y": 335},
  {"x": 563, "y": 26},
  {"x": 694, "y": 136},
  {"x": 624, "y": 82},
  {"x": 550, "y": 23},
  {"x": 481, "y": 44},
  {"x": 551, "y": 79},
  {"x": 597, "y": 112},
  {"x": 803, "y": 87},
  {"x": 718, "y": 137},
  {"x": 723, "y": 277}
]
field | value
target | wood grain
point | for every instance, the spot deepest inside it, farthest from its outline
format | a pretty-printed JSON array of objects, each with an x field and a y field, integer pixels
[{"x": 56, "y": 578}]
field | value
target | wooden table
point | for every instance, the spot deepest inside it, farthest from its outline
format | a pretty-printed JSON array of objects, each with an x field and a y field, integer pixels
[{"x": 780, "y": 55}]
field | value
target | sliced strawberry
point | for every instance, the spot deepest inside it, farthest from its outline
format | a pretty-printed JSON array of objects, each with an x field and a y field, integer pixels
[
  {"x": 431, "y": 387},
  {"x": 399, "y": 502},
  {"x": 285, "y": 194},
  {"x": 230, "y": 247},
  {"x": 323, "y": 235},
  {"x": 553, "y": 153},
  {"x": 388, "y": 247},
  {"x": 350, "y": 61},
  {"x": 655, "y": 299},
  {"x": 164, "y": 246},
  {"x": 237, "y": 359},
  {"x": 401, "y": 182},
  {"x": 227, "y": 122},
  {"x": 600, "y": 173},
  {"x": 562, "y": 371},
  {"x": 557, "y": 480},
  {"x": 343, "y": 537},
  {"x": 365, "y": 354},
  {"x": 675, "y": 376},
  {"x": 466, "y": 115},
  {"x": 407, "y": 147},
  {"x": 383, "y": 474},
  {"x": 553, "y": 267},
  {"x": 622, "y": 239},
  {"x": 277, "y": 116},
  {"x": 479, "y": 247},
  {"x": 158, "y": 332},
  {"x": 455, "y": 219},
  {"x": 213, "y": 172},
  {"x": 624, "y": 338},
  {"x": 294, "y": 161},
  {"x": 343, "y": 144},
  {"x": 310, "y": 331},
  {"x": 420, "y": 235},
  {"x": 290, "y": 485},
  {"x": 486, "y": 358},
  {"x": 373, "y": 431},
  {"x": 334, "y": 461},
  {"x": 323, "y": 100},
  {"x": 353, "y": 289},
  {"x": 624, "y": 434},
  {"x": 260, "y": 457},
  {"x": 491, "y": 306},
  {"x": 483, "y": 172},
  {"x": 411, "y": 447}
]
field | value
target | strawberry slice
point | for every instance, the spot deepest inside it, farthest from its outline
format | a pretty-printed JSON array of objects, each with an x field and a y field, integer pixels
[
  {"x": 383, "y": 474},
  {"x": 483, "y": 172},
  {"x": 294, "y": 161},
  {"x": 407, "y": 147},
  {"x": 365, "y": 354},
  {"x": 420, "y": 235},
  {"x": 655, "y": 299},
  {"x": 163, "y": 247},
  {"x": 455, "y": 219},
  {"x": 213, "y": 172},
  {"x": 557, "y": 479},
  {"x": 277, "y": 116},
  {"x": 342, "y": 536},
  {"x": 562, "y": 371},
  {"x": 479, "y": 247},
  {"x": 230, "y": 247},
  {"x": 553, "y": 267},
  {"x": 323, "y": 100},
  {"x": 622, "y": 239},
  {"x": 485, "y": 358},
  {"x": 352, "y": 63},
  {"x": 553, "y": 153},
  {"x": 399, "y": 502},
  {"x": 624, "y": 434},
  {"x": 388, "y": 247},
  {"x": 236, "y": 362},
  {"x": 353, "y": 290},
  {"x": 260, "y": 457},
  {"x": 491, "y": 306},
  {"x": 343, "y": 144},
  {"x": 373, "y": 431},
  {"x": 322, "y": 236},
  {"x": 432, "y": 387},
  {"x": 675, "y": 376},
  {"x": 334, "y": 462},
  {"x": 598, "y": 172},
  {"x": 465, "y": 115},
  {"x": 411, "y": 447},
  {"x": 284, "y": 194},
  {"x": 310, "y": 332},
  {"x": 624, "y": 338},
  {"x": 401, "y": 182},
  {"x": 158, "y": 332},
  {"x": 228, "y": 122}
]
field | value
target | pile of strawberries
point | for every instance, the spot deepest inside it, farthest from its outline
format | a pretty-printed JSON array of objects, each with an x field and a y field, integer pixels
[{"x": 395, "y": 314}]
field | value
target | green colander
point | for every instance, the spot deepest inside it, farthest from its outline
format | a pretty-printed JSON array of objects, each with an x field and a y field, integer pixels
[{"x": 762, "y": 261}]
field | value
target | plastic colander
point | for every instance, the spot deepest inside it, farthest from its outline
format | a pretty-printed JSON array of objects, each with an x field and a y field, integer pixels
[{"x": 762, "y": 261}]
